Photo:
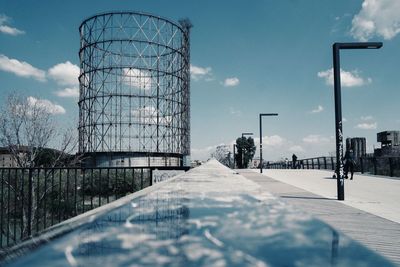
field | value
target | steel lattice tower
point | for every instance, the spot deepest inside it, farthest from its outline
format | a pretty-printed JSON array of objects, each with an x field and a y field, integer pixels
[{"x": 134, "y": 104}]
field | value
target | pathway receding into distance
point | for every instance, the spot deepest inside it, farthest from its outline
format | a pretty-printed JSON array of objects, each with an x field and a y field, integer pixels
[{"x": 370, "y": 214}]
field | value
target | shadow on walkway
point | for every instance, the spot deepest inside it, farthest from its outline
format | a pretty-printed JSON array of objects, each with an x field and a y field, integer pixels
[{"x": 319, "y": 198}]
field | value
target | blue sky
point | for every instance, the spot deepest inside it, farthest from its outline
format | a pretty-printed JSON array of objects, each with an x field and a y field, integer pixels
[{"x": 267, "y": 56}]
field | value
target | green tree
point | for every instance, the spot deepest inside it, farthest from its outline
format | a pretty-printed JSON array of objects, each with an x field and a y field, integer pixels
[{"x": 245, "y": 151}]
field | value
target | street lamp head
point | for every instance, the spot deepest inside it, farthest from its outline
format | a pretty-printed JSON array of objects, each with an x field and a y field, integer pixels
[
  {"x": 268, "y": 114},
  {"x": 375, "y": 45},
  {"x": 358, "y": 45}
]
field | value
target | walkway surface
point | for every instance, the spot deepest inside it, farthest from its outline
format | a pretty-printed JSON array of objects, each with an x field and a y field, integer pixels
[
  {"x": 370, "y": 214},
  {"x": 209, "y": 216}
]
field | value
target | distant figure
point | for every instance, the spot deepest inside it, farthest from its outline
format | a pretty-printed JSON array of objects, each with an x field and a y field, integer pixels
[
  {"x": 294, "y": 161},
  {"x": 286, "y": 163},
  {"x": 349, "y": 164}
]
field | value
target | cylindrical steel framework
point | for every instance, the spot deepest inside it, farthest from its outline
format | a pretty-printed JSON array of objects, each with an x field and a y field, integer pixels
[{"x": 134, "y": 99}]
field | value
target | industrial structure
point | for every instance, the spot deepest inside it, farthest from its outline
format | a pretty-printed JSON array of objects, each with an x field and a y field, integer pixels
[
  {"x": 358, "y": 145},
  {"x": 390, "y": 144},
  {"x": 134, "y": 103}
]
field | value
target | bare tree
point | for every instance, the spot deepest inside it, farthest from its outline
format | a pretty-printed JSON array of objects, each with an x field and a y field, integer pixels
[
  {"x": 27, "y": 128},
  {"x": 223, "y": 155}
]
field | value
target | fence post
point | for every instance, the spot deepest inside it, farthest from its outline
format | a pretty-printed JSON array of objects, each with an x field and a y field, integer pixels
[
  {"x": 325, "y": 166},
  {"x": 333, "y": 167},
  {"x": 307, "y": 164},
  {"x": 29, "y": 230},
  {"x": 151, "y": 176},
  {"x": 375, "y": 169},
  {"x": 319, "y": 166},
  {"x": 391, "y": 167}
]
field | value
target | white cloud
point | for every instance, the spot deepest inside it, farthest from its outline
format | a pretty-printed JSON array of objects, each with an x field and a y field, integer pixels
[
  {"x": 136, "y": 78},
  {"x": 367, "y": 126},
  {"x": 68, "y": 92},
  {"x": 348, "y": 78},
  {"x": 367, "y": 118},
  {"x": 21, "y": 68},
  {"x": 229, "y": 82},
  {"x": 198, "y": 73},
  {"x": 235, "y": 112},
  {"x": 203, "y": 153},
  {"x": 296, "y": 148},
  {"x": 377, "y": 18},
  {"x": 65, "y": 73},
  {"x": 318, "y": 109},
  {"x": 10, "y": 30},
  {"x": 7, "y": 29},
  {"x": 46, "y": 105},
  {"x": 315, "y": 139},
  {"x": 344, "y": 119},
  {"x": 148, "y": 115},
  {"x": 277, "y": 147},
  {"x": 272, "y": 141}
]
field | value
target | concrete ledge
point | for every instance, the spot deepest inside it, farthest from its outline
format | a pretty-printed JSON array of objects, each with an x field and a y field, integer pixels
[{"x": 209, "y": 216}]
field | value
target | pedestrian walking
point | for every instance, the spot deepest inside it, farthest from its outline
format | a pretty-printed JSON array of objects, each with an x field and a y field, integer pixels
[
  {"x": 349, "y": 164},
  {"x": 294, "y": 161}
]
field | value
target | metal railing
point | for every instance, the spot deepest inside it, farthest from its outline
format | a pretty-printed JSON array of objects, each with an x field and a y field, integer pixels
[
  {"x": 32, "y": 199},
  {"x": 325, "y": 163},
  {"x": 386, "y": 166}
]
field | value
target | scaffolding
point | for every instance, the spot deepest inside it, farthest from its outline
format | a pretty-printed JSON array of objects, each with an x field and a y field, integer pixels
[{"x": 134, "y": 103}]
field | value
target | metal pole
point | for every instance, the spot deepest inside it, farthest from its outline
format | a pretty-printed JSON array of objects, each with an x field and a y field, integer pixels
[
  {"x": 234, "y": 153},
  {"x": 338, "y": 122},
  {"x": 30, "y": 185},
  {"x": 338, "y": 105},
  {"x": 261, "y": 159},
  {"x": 260, "y": 118}
]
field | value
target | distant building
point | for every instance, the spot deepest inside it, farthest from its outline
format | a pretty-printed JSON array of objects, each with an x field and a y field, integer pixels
[
  {"x": 45, "y": 158},
  {"x": 358, "y": 145},
  {"x": 390, "y": 144},
  {"x": 6, "y": 157}
]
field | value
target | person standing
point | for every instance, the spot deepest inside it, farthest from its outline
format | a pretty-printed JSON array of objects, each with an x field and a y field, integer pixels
[
  {"x": 294, "y": 161},
  {"x": 349, "y": 164}
]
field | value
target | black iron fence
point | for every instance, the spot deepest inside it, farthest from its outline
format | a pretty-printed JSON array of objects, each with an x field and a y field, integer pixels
[
  {"x": 386, "y": 166},
  {"x": 326, "y": 163},
  {"x": 34, "y": 199}
]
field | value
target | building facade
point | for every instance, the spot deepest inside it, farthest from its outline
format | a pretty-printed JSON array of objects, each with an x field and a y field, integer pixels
[{"x": 390, "y": 144}]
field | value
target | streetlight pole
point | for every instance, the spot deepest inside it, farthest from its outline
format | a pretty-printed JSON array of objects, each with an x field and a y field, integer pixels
[
  {"x": 262, "y": 115},
  {"x": 243, "y": 134},
  {"x": 338, "y": 106},
  {"x": 234, "y": 153}
]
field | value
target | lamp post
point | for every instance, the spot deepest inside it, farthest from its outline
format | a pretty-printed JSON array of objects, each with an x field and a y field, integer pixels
[
  {"x": 243, "y": 134},
  {"x": 234, "y": 153},
  {"x": 262, "y": 115},
  {"x": 338, "y": 106}
]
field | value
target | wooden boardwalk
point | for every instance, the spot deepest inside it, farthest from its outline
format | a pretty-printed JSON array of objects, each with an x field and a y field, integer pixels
[{"x": 377, "y": 233}]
